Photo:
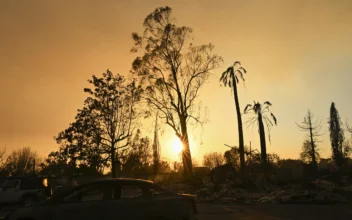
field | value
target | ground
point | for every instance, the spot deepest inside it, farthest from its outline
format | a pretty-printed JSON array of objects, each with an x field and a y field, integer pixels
[
  {"x": 274, "y": 212},
  {"x": 266, "y": 212}
]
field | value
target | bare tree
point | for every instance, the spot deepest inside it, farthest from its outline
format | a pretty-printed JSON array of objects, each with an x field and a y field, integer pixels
[
  {"x": 22, "y": 161},
  {"x": 309, "y": 149},
  {"x": 213, "y": 159},
  {"x": 172, "y": 71},
  {"x": 230, "y": 78}
]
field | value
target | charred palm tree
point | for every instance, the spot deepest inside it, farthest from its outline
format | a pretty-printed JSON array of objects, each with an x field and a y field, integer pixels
[
  {"x": 262, "y": 115},
  {"x": 230, "y": 78}
]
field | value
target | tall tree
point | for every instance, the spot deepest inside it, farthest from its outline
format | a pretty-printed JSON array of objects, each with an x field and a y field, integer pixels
[
  {"x": 312, "y": 127},
  {"x": 262, "y": 115},
  {"x": 213, "y": 159},
  {"x": 113, "y": 102},
  {"x": 230, "y": 78},
  {"x": 336, "y": 135},
  {"x": 172, "y": 71}
]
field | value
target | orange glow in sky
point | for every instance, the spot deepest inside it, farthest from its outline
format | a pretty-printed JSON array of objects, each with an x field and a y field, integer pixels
[{"x": 298, "y": 55}]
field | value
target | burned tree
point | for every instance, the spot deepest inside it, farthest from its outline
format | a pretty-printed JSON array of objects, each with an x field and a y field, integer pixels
[
  {"x": 172, "y": 71},
  {"x": 312, "y": 127},
  {"x": 261, "y": 112},
  {"x": 336, "y": 135},
  {"x": 230, "y": 78}
]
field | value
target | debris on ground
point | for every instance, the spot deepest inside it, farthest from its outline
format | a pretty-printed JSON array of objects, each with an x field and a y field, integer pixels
[{"x": 320, "y": 191}]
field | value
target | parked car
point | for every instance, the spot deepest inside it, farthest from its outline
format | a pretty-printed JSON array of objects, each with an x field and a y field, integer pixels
[
  {"x": 23, "y": 190},
  {"x": 113, "y": 199}
]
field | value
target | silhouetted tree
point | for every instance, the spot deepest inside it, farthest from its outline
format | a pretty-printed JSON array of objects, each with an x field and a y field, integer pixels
[
  {"x": 308, "y": 155},
  {"x": 230, "y": 78},
  {"x": 21, "y": 161},
  {"x": 261, "y": 111},
  {"x": 113, "y": 101},
  {"x": 336, "y": 135},
  {"x": 172, "y": 73},
  {"x": 2, "y": 157},
  {"x": 139, "y": 158},
  {"x": 56, "y": 164},
  {"x": 309, "y": 149},
  {"x": 213, "y": 159},
  {"x": 81, "y": 142},
  {"x": 233, "y": 156}
]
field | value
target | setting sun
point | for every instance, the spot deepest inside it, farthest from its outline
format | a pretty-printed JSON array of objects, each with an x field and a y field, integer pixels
[{"x": 176, "y": 145}]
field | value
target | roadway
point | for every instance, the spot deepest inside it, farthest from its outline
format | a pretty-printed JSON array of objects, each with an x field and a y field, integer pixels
[{"x": 266, "y": 212}]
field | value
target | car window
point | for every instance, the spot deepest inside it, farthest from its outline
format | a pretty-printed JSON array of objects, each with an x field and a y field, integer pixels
[
  {"x": 34, "y": 183},
  {"x": 12, "y": 184},
  {"x": 90, "y": 193},
  {"x": 131, "y": 191},
  {"x": 93, "y": 195}
]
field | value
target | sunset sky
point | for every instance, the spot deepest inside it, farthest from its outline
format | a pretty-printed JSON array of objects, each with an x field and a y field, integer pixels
[{"x": 298, "y": 55}]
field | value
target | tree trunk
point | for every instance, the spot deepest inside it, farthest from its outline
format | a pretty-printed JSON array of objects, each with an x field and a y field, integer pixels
[
  {"x": 239, "y": 123},
  {"x": 262, "y": 141},
  {"x": 314, "y": 161},
  {"x": 186, "y": 152},
  {"x": 113, "y": 165}
]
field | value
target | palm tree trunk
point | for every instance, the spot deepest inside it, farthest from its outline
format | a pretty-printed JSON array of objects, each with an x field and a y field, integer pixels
[
  {"x": 262, "y": 140},
  {"x": 186, "y": 152},
  {"x": 239, "y": 123}
]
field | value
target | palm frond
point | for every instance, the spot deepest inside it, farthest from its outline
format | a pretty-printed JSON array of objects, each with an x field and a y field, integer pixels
[
  {"x": 248, "y": 107},
  {"x": 243, "y": 69},
  {"x": 274, "y": 118},
  {"x": 240, "y": 74},
  {"x": 267, "y": 103},
  {"x": 237, "y": 81},
  {"x": 237, "y": 62}
]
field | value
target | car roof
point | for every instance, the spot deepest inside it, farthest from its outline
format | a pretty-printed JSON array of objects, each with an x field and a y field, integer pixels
[
  {"x": 122, "y": 180},
  {"x": 23, "y": 177}
]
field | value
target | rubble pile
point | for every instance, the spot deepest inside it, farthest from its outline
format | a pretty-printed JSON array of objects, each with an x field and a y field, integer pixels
[{"x": 319, "y": 191}]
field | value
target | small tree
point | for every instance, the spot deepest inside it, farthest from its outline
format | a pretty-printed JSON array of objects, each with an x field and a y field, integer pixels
[
  {"x": 336, "y": 135},
  {"x": 213, "y": 159},
  {"x": 172, "y": 71},
  {"x": 22, "y": 161},
  {"x": 309, "y": 150},
  {"x": 308, "y": 155}
]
